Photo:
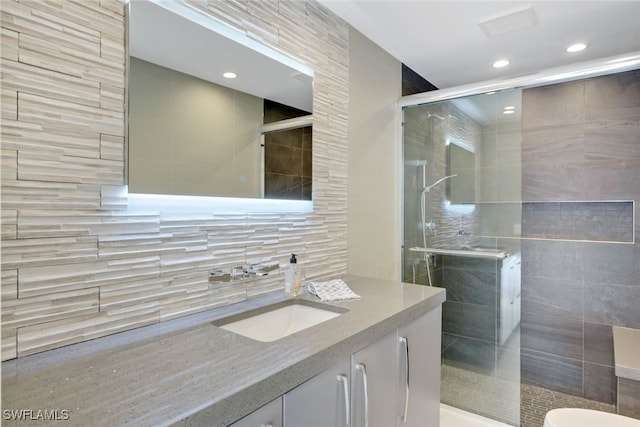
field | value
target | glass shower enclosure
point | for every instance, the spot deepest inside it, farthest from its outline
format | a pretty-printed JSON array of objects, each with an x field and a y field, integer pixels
[{"x": 462, "y": 217}]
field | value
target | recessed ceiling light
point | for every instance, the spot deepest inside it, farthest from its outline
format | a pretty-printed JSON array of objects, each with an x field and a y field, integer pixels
[
  {"x": 576, "y": 47},
  {"x": 229, "y": 75},
  {"x": 500, "y": 63}
]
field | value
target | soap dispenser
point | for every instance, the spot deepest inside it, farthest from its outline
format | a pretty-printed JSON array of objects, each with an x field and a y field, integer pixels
[{"x": 292, "y": 278}]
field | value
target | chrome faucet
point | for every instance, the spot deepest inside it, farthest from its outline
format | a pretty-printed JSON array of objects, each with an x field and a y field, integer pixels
[{"x": 240, "y": 272}]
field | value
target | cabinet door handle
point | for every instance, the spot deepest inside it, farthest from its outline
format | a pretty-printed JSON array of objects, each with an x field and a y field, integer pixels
[
  {"x": 365, "y": 390},
  {"x": 347, "y": 402},
  {"x": 405, "y": 343}
]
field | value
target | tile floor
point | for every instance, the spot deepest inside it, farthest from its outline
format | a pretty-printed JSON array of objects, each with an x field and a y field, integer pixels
[
  {"x": 508, "y": 403},
  {"x": 535, "y": 402}
]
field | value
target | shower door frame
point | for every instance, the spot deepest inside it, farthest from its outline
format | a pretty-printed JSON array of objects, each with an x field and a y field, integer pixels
[{"x": 580, "y": 70}]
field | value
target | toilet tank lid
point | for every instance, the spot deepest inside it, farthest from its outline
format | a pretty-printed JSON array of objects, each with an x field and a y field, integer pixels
[{"x": 574, "y": 417}]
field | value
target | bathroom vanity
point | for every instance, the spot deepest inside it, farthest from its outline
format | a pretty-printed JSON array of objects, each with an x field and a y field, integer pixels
[
  {"x": 360, "y": 389},
  {"x": 189, "y": 371}
]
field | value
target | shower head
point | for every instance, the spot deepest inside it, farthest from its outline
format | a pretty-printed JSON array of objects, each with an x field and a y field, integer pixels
[
  {"x": 427, "y": 189},
  {"x": 415, "y": 163}
]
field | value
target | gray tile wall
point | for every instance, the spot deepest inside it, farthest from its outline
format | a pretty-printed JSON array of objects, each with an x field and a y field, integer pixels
[
  {"x": 287, "y": 156},
  {"x": 629, "y": 401},
  {"x": 599, "y": 221},
  {"x": 76, "y": 264},
  {"x": 470, "y": 314},
  {"x": 581, "y": 142}
]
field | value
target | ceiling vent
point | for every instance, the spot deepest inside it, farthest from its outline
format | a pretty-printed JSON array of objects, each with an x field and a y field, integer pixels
[{"x": 515, "y": 21}]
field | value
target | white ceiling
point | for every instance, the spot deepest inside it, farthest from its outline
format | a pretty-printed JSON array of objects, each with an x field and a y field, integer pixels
[{"x": 444, "y": 43}]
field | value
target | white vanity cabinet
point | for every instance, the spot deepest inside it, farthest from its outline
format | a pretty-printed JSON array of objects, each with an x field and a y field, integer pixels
[
  {"x": 359, "y": 391},
  {"x": 270, "y": 415},
  {"x": 419, "y": 371},
  {"x": 323, "y": 401},
  {"x": 394, "y": 381},
  {"x": 510, "y": 296},
  {"x": 374, "y": 382}
]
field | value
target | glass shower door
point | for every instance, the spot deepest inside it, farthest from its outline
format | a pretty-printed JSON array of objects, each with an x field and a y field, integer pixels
[{"x": 462, "y": 216}]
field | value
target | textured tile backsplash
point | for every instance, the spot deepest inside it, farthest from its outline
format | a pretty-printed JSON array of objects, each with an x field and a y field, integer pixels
[{"x": 76, "y": 264}]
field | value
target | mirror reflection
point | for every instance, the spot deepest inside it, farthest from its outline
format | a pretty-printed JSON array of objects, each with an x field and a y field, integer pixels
[
  {"x": 194, "y": 132},
  {"x": 461, "y": 162}
]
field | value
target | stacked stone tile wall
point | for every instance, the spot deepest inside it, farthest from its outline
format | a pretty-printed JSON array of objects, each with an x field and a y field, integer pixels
[{"x": 77, "y": 264}]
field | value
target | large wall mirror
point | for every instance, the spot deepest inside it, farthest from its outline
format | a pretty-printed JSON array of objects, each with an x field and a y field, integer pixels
[{"x": 193, "y": 131}]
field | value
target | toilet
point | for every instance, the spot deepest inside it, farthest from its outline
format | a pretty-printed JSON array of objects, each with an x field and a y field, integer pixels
[{"x": 573, "y": 417}]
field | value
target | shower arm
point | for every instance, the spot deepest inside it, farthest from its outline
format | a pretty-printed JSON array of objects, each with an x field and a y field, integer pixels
[
  {"x": 423, "y": 201},
  {"x": 427, "y": 189}
]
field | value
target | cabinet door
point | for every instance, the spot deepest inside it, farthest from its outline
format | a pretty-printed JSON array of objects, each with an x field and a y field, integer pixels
[
  {"x": 323, "y": 401},
  {"x": 270, "y": 415},
  {"x": 374, "y": 381},
  {"x": 419, "y": 371}
]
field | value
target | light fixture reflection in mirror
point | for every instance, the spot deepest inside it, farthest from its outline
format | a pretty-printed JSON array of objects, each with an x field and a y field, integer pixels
[
  {"x": 194, "y": 204},
  {"x": 180, "y": 140}
]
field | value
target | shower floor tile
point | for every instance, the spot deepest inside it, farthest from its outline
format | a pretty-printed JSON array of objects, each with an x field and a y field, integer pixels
[{"x": 537, "y": 401}]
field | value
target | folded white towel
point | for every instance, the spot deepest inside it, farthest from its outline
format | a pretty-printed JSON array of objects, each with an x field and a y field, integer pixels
[{"x": 332, "y": 290}]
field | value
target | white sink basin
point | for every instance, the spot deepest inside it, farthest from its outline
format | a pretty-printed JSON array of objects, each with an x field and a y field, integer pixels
[{"x": 277, "y": 321}]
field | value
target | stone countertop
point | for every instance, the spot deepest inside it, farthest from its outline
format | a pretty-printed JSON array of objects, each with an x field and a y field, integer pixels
[
  {"x": 626, "y": 352},
  {"x": 189, "y": 372}
]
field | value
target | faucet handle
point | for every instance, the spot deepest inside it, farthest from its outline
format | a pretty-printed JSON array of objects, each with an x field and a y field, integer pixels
[{"x": 237, "y": 272}]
